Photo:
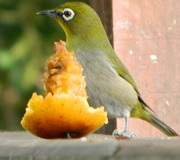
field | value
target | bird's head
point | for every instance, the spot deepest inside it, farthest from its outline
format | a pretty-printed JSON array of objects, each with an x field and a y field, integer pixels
[
  {"x": 74, "y": 17},
  {"x": 82, "y": 25}
]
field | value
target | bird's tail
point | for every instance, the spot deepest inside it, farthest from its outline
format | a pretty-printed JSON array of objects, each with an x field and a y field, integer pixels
[{"x": 149, "y": 117}]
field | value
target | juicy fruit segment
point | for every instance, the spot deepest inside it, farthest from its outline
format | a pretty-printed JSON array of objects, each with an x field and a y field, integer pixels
[
  {"x": 55, "y": 116},
  {"x": 64, "y": 111},
  {"x": 63, "y": 73}
]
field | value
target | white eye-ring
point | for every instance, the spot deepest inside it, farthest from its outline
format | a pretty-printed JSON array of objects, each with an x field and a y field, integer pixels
[{"x": 68, "y": 14}]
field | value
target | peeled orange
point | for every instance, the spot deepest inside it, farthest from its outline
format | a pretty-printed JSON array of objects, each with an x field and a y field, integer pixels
[{"x": 64, "y": 111}]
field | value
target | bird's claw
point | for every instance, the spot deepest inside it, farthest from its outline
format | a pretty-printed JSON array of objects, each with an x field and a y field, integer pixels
[{"x": 124, "y": 134}]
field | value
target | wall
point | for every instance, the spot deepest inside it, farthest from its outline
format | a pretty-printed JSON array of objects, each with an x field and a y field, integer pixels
[{"x": 147, "y": 40}]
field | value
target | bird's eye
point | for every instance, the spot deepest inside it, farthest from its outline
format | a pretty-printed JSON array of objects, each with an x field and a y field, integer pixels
[{"x": 68, "y": 14}]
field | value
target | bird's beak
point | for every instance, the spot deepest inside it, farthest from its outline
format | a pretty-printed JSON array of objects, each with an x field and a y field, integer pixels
[{"x": 50, "y": 13}]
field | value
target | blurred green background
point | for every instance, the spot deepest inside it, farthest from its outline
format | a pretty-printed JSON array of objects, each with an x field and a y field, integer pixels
[{"x": 26, "y": 42}]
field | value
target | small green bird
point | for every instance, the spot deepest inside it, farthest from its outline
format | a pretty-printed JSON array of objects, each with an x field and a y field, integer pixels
[{"x": 109, "y": 83}]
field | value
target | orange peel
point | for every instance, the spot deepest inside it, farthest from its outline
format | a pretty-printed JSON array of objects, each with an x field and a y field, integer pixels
[{"x": 64, "y": 111}]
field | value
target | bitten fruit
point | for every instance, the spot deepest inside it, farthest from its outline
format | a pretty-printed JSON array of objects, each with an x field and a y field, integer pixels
[{"x": 64, "y": 111}]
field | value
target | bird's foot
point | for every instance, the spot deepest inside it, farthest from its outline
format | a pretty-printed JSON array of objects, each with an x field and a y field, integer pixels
[{"x": 125, "y": 134}]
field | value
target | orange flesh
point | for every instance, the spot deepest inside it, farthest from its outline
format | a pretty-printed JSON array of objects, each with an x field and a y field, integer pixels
[{"x": 64, "y": 111}]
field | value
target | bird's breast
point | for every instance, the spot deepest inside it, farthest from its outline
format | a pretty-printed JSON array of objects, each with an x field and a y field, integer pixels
[{"x": 104, "y": 86}]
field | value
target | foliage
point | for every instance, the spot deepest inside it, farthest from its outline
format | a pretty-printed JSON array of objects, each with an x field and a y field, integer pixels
[{"x": 26, "y": 42}]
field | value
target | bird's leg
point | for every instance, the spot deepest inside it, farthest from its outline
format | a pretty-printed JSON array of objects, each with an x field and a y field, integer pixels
[
  {"x": 125, "y": 133},
  {"x": 126, "y": 124}
]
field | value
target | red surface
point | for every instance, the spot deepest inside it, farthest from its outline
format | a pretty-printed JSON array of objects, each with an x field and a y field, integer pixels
[{"x": 147, "y": 40}]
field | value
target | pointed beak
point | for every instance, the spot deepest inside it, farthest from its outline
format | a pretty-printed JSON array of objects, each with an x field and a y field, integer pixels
[{"x": 50, "y": 13}]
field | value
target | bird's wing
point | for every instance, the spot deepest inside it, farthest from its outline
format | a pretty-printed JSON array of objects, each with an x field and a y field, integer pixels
[
  {"x": 124, "y": 73},
  {"x": 121, "y": 69}
]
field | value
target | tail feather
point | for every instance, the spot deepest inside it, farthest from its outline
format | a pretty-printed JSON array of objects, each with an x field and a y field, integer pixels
[{"x": 159, "y": 124}]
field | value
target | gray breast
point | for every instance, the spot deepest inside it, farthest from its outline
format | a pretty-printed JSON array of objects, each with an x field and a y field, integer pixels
[{"x": 104, "y": 86}]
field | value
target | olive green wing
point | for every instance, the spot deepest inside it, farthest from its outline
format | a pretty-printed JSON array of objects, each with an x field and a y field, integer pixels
[
  {"x": 121, "y": 69},
  {"x": 125, "y": 74}
]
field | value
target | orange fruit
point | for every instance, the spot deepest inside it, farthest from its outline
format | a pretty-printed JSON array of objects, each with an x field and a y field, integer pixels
[{"x": 64, "y": 111}]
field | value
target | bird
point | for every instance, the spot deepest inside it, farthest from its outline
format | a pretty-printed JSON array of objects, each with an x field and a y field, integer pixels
[{"x": 108, "y": 81}]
